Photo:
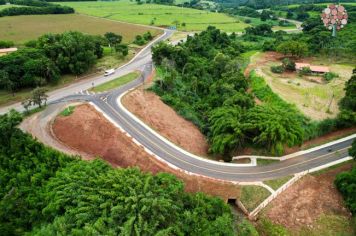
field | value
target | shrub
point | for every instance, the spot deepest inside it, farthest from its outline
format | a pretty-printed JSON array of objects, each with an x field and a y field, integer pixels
[
  {"x": 345, "y": 183},
  {"x": 148, "y": 36},
  {"x": 139, "y": 40},
  {"x": 288, "y": 64},
  {"x": 269, "y": 46},
  {"x": 277, "y": 69},
  {"x": 6, "y": 44},
  {"x": 247, "y": 21},
  {"x": 305, "y": 71},
  {"x": 328, "y": 76}
]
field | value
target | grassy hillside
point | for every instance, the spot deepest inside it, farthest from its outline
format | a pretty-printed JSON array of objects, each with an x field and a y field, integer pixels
[
  {"x": 158, "y": 15},
  {"x": 23, "y": 28}
]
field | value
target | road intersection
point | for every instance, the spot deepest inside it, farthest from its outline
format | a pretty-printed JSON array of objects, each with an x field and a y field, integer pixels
[{"x": 110, "y": 104}]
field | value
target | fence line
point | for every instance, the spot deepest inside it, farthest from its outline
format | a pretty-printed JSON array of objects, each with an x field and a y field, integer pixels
[{"x": 276, "y": 193}]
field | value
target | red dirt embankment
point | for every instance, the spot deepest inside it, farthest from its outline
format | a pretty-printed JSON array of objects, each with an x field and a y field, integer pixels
[
  {"x": 305, "y": 201},
  {"x": 162, "y": 118},
  {"x": 89, "y": 131}
]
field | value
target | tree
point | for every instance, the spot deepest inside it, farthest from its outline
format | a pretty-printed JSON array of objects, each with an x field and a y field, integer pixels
[
  {"x": 293, "y": 48},
  {"x": 273, "y": 127},
  {"x": 148, "y": 36},
  {"x": 6, "y": 44},
  {"x": 348, "y": 102},
  {"x": 265, "y": 15},
  {"x": 288, "y": 64},
  {"x": 39, "y": 96},
  {"x": 73, "y": 52},
  {"x": 345, "y": 182},
  {"x": 26, "y": 104},
  {"x": 352, "y": 150},
  {"x": 113, "y": 39},
  {"x": 227, "y": 133},
  {"x": 122, "y": 49},
  {"x": 302, "y": 16},
  {"x": 6, "y": 83},
  {"x": 139, "y": 40},
  {"x": 289, "y": 15}
]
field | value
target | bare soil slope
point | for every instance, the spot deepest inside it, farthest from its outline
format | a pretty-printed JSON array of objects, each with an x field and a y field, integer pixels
[
  {"x": 162, "y": 118},
  {"x": 307, "y": 200},
  {"x": 87, "y": 130}
]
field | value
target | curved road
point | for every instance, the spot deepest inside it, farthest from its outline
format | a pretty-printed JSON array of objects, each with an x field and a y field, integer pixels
[{"x": 109, "y": 103}]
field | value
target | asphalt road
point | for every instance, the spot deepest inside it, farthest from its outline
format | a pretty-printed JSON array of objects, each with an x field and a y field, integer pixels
[
  {"x": 137, "y": 63},
  {"x": 108, "y": 103}
]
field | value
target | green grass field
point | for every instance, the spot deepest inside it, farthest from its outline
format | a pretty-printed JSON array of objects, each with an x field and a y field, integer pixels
[
  {"x": 252, "y": 196},
  {"x": 23, "y": 28},
  {"x": 116, "y": 82},
  {"x": 158, "y": 15}
]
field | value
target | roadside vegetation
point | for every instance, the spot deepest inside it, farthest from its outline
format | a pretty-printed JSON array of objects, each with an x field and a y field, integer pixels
[
  {"x": 67, "y": 111},
  {"x": 116, "y": 82},
  {"x": 45, "y": 192},
  {"x": 252, "y": 196},
  {"x": 277, "y": 183},
  {"x": 46, "y": 63}
]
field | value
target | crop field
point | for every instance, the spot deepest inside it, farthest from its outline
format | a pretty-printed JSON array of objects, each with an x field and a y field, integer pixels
[
  {"x": 23, "y": 28},
  {"x": 158, "y": 15}
]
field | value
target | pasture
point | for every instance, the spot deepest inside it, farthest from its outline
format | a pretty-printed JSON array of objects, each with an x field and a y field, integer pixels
[
  {"x": 24, "y": 28},
  {"x": 158, "y": 15},
  {"x": 317, "y": 101}
]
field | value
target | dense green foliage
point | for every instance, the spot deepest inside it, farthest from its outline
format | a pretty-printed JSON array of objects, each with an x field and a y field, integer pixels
[
  {"x": 349, "y": 101},
  {"x": 205, "y": 85},
  {"x": 6, "y": 44},
  {"x": 347, "y": 116},
  {"x": 50, "y": 56},
  {"x": 27, "y": 67},
  {"x": 72, "y": 52},
  {"x": 44, "y": 192},
  {"x": 35, "y": 7},
  {"x": 26, "y": 166},
  {"x": 346, "y": 184}
]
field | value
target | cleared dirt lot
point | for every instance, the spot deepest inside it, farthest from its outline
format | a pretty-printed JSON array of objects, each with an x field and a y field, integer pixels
[
  {"x": 86, "y": 130},
  {"x": 162, "y": 118},
  {"x": 304, "y": 205}
]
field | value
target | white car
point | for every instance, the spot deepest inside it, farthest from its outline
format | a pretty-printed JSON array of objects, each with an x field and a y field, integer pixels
[{"x": 109, "y": 72}]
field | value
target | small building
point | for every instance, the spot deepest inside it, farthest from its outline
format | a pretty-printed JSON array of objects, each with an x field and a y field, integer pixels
[
  {"x": 5, "y": 51},
  {"x": 314, "y": 69}
]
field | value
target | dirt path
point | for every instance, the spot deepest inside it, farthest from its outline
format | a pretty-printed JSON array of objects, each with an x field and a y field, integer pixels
[
  {"x": 92, "y": 133},
  {"x": 307, "y": 200},
  {"x": 162, "y": 118},
  {"x": 39, "y": 126}
]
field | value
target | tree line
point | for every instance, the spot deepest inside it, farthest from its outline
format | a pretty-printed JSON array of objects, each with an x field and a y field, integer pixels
[
  {"x": 35, "y": 7},
  {"x": 45, "y": 192},
  {"x": 44, "y": 60},
  {"x": 345, "y": 182}
]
